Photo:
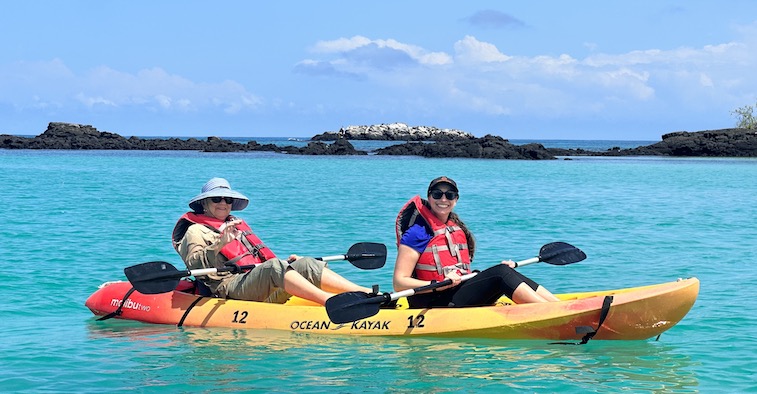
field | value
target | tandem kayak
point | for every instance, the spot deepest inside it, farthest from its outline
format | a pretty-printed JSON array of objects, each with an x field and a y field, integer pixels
[{"x": 635, "y": 313}]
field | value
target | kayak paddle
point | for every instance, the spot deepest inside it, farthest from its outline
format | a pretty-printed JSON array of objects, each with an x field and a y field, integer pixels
[
  {"x": 356, "y": 305},
  {"x": 363, "y": 255},
  {"x": 157, "y": 277}
]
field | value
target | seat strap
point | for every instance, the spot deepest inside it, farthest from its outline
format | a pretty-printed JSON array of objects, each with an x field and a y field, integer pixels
[
  {"x": 186, "y": 313},
  {"x": 590, "y": 332},
  {"x": 118, "y": 310}
]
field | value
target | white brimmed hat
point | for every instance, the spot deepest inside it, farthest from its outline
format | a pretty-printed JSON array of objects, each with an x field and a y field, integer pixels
[{"x": 219, "y": 187}]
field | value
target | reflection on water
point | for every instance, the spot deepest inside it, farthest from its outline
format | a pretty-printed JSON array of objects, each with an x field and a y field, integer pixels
[
  {"x": 232, "y": 359},
  {"x": 533, "y": 365}
]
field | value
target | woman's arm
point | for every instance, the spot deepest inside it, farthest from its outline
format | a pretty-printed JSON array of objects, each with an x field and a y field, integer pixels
[
  {"x": 200, "y": 248},
  {"x": 407, "y": 258},
  {"x": 404, "y": 267}
]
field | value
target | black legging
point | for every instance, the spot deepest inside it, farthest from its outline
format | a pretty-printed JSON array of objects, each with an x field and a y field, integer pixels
[{"x": 483, "y": 289}]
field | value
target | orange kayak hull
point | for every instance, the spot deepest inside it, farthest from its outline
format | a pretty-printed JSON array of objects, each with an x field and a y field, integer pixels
[{"x": 635, "y": 314}]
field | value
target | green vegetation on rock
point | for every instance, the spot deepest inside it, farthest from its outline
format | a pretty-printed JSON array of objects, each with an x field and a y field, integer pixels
[{"x": 746, "y": 119}]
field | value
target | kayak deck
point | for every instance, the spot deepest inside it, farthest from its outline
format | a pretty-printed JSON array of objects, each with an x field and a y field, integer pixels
[{"x": 635, "y": 313}]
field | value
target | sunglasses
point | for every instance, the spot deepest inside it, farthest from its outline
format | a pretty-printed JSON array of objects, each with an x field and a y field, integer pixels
[
  {"x": 216, "y": 200},
  {"x": 437, "y": 194}
]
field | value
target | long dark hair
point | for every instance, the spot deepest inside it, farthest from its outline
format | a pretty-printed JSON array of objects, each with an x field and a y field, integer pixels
[{"x": 468, "y": 234}]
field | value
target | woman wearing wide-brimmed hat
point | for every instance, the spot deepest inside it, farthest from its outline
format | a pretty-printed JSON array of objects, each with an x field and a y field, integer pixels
[
  {"x": 210, "y": 237},
  {"x": 433, "y": 245}
]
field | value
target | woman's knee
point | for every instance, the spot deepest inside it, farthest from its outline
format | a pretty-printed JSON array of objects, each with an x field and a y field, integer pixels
[
  {"x": 511, "y": 278},
  {"x": 310, "y": 268}
]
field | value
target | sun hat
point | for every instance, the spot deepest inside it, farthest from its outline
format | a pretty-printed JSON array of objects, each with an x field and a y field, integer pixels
[
  {"x": 442, "y": 179},
  {"x": 219, "y": 187}
]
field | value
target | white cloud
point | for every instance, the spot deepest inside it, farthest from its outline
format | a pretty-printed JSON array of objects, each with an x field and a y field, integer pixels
[
  {"x": 163, "y": 100},
  {"x": 629, "y": 81},
  {"x": 709, "y": 54},
  {"x": 469, "y": 49},
  {"x": 479, "y": 104},
  {"x": 341, "y": 44},
  {"x": 53, "y": 85},
  {"x": 478, "y": 77},
  {"x": 91, "y": 102}
]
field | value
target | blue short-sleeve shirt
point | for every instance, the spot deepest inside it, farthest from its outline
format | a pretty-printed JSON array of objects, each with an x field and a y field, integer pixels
[{"x": 416, "y": 237}]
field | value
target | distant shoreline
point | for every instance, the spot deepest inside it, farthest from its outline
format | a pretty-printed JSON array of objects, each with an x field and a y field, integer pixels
[
  {"x": 307, "y": 139},
  {"x": 447, "y": 143}
]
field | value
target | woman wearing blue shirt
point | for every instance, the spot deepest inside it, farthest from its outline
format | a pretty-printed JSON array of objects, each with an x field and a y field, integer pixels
[{"x": 434, "y": 245}]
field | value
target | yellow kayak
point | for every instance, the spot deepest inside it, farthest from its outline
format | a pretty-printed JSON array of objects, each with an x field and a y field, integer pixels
[{"x": 630, "y": 314}]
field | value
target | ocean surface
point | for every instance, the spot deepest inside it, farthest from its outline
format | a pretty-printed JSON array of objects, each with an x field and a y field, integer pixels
[{"x": 74, "y": 219}]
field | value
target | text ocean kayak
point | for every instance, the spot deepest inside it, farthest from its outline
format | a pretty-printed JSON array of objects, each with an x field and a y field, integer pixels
[{"x": 631, "y": 314}]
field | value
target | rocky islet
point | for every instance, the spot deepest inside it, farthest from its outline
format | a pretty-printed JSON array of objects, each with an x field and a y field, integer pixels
[{"x": 419, "y": 141}]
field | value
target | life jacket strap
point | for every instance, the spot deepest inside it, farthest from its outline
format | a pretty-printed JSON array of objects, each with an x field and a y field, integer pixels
[{"x": 437, "y": 260}]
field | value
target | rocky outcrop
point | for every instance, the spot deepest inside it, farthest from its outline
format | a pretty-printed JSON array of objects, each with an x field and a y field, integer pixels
[
  {"x": 340, "y": 147},
  {"x": 487, "y": 147},
  {"x": 708, "y": 143},
  {"x": 394, "y": 132},
  {"x": 75, "y": 136}
]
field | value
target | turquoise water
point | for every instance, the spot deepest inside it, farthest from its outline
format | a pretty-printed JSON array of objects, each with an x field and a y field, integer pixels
[{"x": 73, "y": 220}]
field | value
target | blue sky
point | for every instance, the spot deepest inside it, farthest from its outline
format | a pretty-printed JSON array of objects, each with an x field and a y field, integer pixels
[{"x": 521, "y": 70}]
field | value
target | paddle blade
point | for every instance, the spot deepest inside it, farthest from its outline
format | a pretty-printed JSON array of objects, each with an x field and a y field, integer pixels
[
  {"x": 560, "y": 253},
  {"x": 154, "y": 277},
  {"x": 367, "y": 255},
  {"x": 352, "y": 306}
]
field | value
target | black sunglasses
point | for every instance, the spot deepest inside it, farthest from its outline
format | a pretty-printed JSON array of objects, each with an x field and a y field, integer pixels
[
  {"x": 216, "y": 200},
  {"x": 437, "y": 194}
]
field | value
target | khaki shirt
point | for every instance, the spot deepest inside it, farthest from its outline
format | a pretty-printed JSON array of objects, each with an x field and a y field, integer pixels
[{"x": 200, "y": 248}]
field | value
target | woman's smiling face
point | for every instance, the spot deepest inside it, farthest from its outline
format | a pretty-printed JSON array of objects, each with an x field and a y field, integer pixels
[
  {"x": 219, "y": 210},
  {"x": 440, "y": 202}
]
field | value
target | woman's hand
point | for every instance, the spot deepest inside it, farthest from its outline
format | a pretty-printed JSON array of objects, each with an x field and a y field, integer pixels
[
  {"x": 293, "y": 257},
  {"x": 509, "y": 263},
  {"x": 229, "y": 232},
  {"x": 455, "y": 277}
]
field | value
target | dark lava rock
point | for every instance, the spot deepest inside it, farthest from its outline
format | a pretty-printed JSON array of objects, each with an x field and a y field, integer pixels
[
  {"x": 487, "y": 147},
  {"x": 708, "y": 143},
  {"x": 340, "y": 147},
  {"x": 75, "y": 136}
]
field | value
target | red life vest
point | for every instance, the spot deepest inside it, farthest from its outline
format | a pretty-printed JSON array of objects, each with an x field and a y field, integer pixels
[
  {"x": 446, "y": 251},
  {"x": 245, "y": 252}
]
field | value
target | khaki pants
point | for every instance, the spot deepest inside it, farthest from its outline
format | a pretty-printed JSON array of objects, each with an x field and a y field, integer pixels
[{"x": 266, "y": 281}]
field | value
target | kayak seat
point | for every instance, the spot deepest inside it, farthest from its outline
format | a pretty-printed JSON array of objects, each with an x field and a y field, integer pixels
[
  {"x": 390, "y": 305},
  {"x": 194, "y": 287},
  {"x": 202, "y": 289}
]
